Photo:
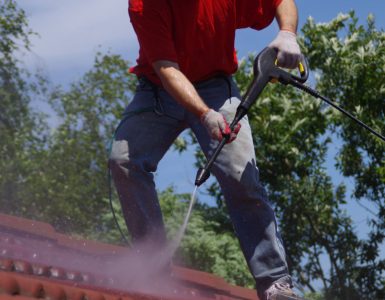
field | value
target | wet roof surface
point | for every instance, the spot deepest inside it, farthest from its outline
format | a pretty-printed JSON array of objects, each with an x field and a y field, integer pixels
[{"x": 36, "y": 262}]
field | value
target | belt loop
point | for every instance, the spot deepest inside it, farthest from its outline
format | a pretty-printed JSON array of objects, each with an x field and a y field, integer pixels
[
  {"x": 158, "y": 107},
  {"x": 228, "y": 81}
]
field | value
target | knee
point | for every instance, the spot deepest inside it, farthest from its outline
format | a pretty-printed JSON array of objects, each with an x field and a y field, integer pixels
[
  {"x": 118, "y": 156},
  {"x": 244, "y": 188},
  {"x": 119, "y": 151},
  {"x": 120, "y": 160},
  {"x": 129, "y": 171}
]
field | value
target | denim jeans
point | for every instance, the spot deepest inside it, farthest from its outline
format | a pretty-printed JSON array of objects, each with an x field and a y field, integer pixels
[{"x": 152, "y": 122}]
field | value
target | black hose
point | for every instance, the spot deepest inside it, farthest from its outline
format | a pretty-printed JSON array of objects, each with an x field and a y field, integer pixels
[{"x": 315, "y": 94}]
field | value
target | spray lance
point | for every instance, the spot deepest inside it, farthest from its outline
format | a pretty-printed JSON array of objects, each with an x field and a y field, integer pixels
[{"x": 266, "y": 70}]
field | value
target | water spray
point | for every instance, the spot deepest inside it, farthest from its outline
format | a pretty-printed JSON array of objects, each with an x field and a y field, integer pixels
[{"x": 174, "y": 245}]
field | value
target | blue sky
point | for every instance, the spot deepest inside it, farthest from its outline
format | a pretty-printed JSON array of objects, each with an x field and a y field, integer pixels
[{"x": 70, "y": 33}]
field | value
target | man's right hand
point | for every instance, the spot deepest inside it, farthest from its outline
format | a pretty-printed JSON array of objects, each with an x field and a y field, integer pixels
[
  {"x": 217, "y": 126},
  {"x": 182, "y": 90}
]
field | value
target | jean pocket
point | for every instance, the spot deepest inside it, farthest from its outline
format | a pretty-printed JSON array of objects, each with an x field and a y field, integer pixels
[
  {"x": 157, "y": 100},
  {"x": 143, "y": 101}
]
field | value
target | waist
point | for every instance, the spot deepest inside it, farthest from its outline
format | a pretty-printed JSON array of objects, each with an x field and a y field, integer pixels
[{"x": 144, "y": 80}]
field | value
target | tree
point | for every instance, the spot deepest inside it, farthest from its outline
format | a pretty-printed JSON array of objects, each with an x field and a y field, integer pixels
[
  {"x": 61, "y": 177},
  {"x": 22, "y": 130},
  {"x": 73, "y": 189},
  {"x": 350, "y": 60}
]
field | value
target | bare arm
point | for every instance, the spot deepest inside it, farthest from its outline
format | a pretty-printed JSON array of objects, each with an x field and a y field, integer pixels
[
  {"x": 179, "y": 87},
  {"x": 287, "y": 16},
  {"x": 182, "y": 90}
]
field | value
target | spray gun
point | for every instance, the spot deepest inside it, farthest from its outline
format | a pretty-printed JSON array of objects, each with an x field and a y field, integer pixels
[{"x": 266, "y": 70}]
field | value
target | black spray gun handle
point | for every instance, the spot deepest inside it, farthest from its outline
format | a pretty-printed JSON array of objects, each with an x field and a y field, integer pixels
[{"x": 265, "y": 70}]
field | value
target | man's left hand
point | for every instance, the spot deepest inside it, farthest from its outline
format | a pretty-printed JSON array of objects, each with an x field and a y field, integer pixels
[{"x": 289, "y": 54}]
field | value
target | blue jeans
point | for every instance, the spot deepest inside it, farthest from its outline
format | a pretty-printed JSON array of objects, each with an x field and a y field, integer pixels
[{"x": 152, "y": 122}]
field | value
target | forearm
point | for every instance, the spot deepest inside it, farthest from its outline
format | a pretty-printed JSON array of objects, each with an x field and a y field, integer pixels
[
  {"x": 287, "y": 16},
  {"x": 179, "y": 87}
]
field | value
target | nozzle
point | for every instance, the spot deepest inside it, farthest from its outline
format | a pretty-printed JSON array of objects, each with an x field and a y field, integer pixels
[{"x": 201, "y": 177}]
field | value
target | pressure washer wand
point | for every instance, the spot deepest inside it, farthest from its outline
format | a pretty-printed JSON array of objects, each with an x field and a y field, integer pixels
[{"x": 264, "y": 66}]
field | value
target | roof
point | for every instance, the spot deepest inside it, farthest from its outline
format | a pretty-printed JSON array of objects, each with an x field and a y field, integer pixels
[{"x": 36, "y": 262}]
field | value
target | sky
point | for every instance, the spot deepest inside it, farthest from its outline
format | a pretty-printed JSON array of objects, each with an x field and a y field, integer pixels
[{"x": 72, "y": 31}]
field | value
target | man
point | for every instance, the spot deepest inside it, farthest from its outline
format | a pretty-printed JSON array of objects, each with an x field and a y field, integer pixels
[{"x": 184, "y": 68}]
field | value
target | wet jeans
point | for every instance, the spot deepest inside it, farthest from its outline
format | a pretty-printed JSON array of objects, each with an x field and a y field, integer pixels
[{"x": 152, "y": 122}]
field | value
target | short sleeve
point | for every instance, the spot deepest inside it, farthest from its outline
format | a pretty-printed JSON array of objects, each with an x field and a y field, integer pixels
[
  {"x": 152, "y": 22},
  {"x": 256, "y": 14}
]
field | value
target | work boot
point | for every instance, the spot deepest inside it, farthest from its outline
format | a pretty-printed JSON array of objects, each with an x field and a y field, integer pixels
[{"x": 280, "y": 291}]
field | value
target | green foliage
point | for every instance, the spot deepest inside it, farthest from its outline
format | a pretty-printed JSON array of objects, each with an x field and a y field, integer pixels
[
  {"x": 314, "y": 296},
  {"x": 350, "y": 61},
  {"x": 58, "y": 177},
  {"x": 74, "y": 170},
  {"x": 13, "y": 30},
  {"x": 22, "y": 131}
]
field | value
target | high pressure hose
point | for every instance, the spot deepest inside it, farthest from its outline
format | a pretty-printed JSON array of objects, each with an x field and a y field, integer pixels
[{"x": 315, "y": 94}]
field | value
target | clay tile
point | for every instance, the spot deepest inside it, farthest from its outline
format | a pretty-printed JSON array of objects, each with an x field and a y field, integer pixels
[
  {"x": 8, "y": 285},
  {"x": 57, "y": 273},
  {"x": 5, "y": 297},
  {"x": 73, "y": 275},
  {"x": 6, "y": 264},
  {"x": 53, "y": 292},
  {"x": 76, "y": 295},
  {"x": 91, "y": 295},
  {"x": 87, "y": 278},
  {"x": 105, "y": 281},
  {"x": 23, "y": 267},
  {"x": 40, "y": 270},
  {"x": 31, "y": 288}
]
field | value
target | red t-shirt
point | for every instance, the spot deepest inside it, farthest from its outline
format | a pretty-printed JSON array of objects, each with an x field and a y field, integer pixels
[{"x": 197, "y": 34}]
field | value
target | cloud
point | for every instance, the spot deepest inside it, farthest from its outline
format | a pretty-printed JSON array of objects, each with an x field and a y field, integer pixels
[{"x": 71, "y": 31}]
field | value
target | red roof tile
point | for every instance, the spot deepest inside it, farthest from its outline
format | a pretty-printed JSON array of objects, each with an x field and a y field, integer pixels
[{"x": 36, "y": 262}]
